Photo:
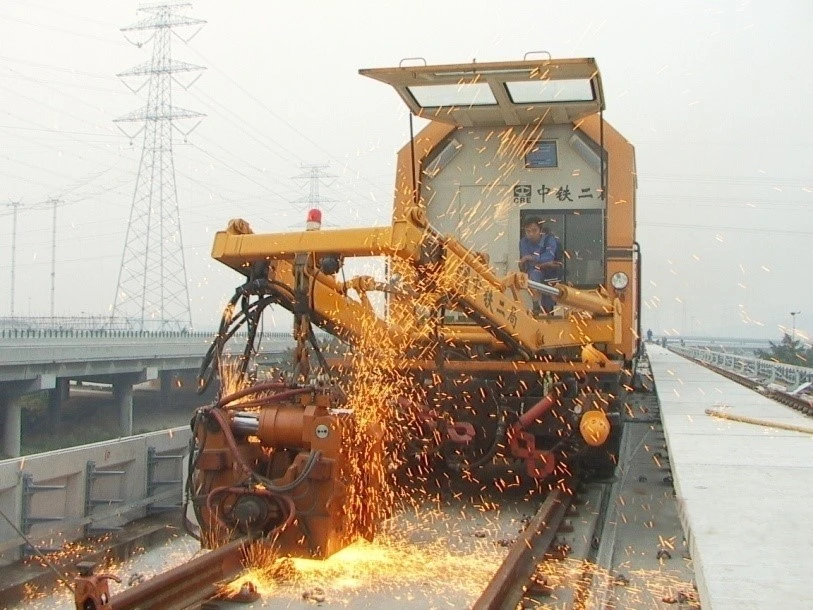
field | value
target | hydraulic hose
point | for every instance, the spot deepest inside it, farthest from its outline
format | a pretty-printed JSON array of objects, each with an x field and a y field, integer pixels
[
  {"x": 301, "y": 477},
  {"x": 262, "y": 387},
  {"x": 269, "y": 399}
]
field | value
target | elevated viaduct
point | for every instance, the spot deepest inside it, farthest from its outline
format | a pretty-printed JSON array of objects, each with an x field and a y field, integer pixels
[{"x": 46, "y": 361}]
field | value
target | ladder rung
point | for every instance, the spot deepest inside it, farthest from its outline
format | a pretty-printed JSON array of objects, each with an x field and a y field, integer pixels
[
  {"x": 165, "y": 508},
  {"x": 32, "y": 489},
  {"x": 29, "y": 549},
  {"x": 102, "y": 528},
  {"x": 31, "y": 520}
]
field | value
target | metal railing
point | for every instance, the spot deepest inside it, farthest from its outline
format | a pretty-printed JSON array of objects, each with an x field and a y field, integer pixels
[
  {"x": 104, "y": 333},
  {"x": 114, "y": 335},
  {"x": 753, "y": 368}
]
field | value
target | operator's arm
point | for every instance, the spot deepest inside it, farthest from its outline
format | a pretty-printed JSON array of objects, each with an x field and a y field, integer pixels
[
  {"x": 529, "y": 252},
  {"x": 548, "y": 253},
  {"x": 537, "y": 254}
]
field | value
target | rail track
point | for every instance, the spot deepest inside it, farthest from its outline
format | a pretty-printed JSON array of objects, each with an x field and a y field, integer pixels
[
  {"x": 200, "y": 582},
  {"x": 621, "y": 544},
  {"x": 188, "y": 585},
  {"x": 465, "y": 533},
  {"x": 612, "y": 544},
  {"x": 511, "y": 581}
]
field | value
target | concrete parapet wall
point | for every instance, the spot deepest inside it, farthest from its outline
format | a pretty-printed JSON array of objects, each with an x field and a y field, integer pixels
[{"x": 67, "y": 496}]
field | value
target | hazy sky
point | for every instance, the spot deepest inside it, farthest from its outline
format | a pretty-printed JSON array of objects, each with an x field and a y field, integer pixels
[{"x": 715, "y": 96}]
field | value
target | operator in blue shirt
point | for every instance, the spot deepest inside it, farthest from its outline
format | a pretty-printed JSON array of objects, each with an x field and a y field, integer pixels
[{"x": 540, "y": 255}]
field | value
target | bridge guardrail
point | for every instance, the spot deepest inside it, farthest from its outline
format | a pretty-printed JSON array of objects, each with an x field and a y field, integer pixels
[
  {"x": 754, "y": 368},
  {"x": 79, "y": 333}
]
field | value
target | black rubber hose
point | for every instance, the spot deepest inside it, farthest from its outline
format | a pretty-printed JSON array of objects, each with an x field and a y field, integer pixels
[
  {"x": 194, "y": 458},
  {"x": 231, "y": 443},
  {"x": 209, "y": 365},
  {"x": 317, "y": 349},
  {"x": 228, "y": 329}
]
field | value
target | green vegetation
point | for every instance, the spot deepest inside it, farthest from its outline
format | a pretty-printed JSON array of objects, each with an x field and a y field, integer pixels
[
  {"x": 90, "y": 417},
  {"x": 81, "y": 424},
  {"x": 788, "y": 351}
]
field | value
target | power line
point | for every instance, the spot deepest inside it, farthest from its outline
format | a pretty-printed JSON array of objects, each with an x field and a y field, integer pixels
[
  {"x": 53, "y": 131},
  {"x": 715, "y": 203},
  {"x": 761, "y": 230},
  {"x": 56, "y": 29},
  {"x": 253, "y": 133},
  {"x": 725, "y": 180},
  {"x": 71, "y": 71},
  {"x": 25, "y": 77},
  {"x": 237, "y": 171},
  {"x": 28, "y": 4},
  {"x": 279, "y": 117},
  {"x": 230, "y": 117}
]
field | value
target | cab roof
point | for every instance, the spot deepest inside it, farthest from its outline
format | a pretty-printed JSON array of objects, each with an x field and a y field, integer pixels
[{"x": 550, "y": 91}]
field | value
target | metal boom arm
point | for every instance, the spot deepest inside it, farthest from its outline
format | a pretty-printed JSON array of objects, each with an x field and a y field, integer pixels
[{"x": 457, "y": 276}]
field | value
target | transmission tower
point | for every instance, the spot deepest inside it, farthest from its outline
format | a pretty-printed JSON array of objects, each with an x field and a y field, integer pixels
[
  {"x": 151, "y": 292},
  {"x": 14, "y": 205},
  {"x": 53, "y": 202},
  {"x": 315, "y": 177}
]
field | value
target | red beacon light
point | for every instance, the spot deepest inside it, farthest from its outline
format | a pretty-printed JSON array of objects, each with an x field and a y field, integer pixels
[{"x": 314, "y": 221}]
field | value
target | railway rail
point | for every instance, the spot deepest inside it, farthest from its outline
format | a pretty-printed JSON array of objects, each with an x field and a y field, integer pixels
[
  {"x": 188, "y": 585},
  {"x": 509, "y": 584},
  {"x": 457, "y": 530},
  {"x": 200, "y": 582}
]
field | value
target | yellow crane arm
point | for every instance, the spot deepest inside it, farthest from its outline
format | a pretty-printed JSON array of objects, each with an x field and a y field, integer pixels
[{"x": 459, "y": 277}]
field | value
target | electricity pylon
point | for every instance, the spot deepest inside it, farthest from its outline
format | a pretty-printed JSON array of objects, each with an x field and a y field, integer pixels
[
  {"x": 314, "y": 177},
  {"x": 53, "y": 202},
  {"x": 14, "y": 205},
  {"x": 151, "y": 292}
]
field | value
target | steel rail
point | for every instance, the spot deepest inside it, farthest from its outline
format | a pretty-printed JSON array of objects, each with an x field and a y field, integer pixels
[
  {"x": 509, "y": 583},
  {"x": 190, "y": 583}
]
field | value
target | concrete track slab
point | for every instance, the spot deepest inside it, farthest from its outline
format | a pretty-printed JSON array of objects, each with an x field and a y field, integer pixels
[{"x": 745, "y": 490}]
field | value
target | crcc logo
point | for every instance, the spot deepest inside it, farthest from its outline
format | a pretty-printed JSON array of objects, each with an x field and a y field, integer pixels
[{"x": 522, "y": 193}]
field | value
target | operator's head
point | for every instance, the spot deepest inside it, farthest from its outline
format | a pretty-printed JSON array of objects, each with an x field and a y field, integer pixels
[{"x": 532, "y": 229}]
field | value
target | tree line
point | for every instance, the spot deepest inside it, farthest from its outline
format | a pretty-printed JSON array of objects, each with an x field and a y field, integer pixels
[{"x": 788, "y": 351}]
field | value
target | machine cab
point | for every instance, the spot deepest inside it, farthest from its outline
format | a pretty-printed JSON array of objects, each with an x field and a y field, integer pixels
[{"x": 511, "y": 148}]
